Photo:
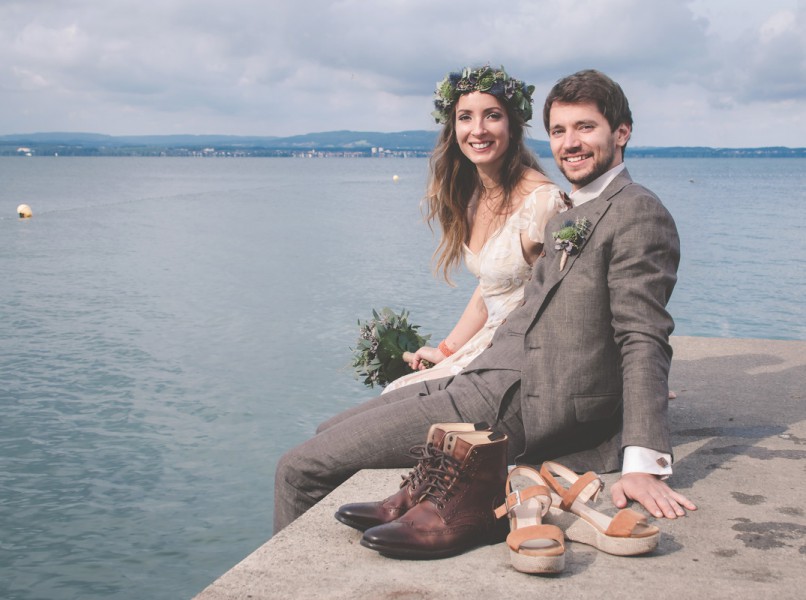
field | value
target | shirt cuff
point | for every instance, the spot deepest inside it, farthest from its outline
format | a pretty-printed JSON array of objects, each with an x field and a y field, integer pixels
[{"x": 645, "y": 460}]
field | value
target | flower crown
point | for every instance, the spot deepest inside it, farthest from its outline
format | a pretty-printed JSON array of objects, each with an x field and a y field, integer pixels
[{"x": 514, "y": 92}]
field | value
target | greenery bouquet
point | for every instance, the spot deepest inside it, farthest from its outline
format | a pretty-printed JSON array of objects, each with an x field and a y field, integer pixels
[{"x": 382, "y": 342}]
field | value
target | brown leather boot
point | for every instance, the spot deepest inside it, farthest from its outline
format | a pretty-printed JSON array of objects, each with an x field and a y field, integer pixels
[
  {"x": 363, "y": 515},
  {"x": 455, "y": 512}
]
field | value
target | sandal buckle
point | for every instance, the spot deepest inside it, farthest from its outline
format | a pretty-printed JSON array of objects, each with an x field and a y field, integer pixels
[{"x": 512, "y": 503}]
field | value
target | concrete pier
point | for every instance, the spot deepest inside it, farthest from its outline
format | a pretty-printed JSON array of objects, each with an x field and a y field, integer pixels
[{"x": 739, "y": 427}]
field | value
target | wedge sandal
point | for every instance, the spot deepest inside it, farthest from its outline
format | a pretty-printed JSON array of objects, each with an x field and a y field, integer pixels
[
  {"x": 625, "y": 534},
  {"x": 533, "y": 546}
]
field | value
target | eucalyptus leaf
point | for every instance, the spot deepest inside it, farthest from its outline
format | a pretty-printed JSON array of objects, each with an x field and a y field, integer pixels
[{"x": 378, "y": 355}]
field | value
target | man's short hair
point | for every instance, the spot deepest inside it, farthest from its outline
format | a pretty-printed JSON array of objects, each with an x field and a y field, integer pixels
[{"x": 591, "y": 86}]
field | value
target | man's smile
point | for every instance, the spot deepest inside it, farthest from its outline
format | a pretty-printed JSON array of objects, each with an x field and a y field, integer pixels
[{"x": 576, "y": 158}]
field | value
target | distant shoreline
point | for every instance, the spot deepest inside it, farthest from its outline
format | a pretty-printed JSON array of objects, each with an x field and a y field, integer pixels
[
  {"x": 341, "y": 144},
  {"x": 323, "y": 154}
]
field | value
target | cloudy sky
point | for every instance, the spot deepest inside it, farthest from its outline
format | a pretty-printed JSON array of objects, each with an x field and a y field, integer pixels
[{"x": 723, "y": 73}]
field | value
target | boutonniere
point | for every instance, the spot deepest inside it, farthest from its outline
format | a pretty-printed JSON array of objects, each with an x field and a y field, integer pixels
[{"x": 570, "y": 238}]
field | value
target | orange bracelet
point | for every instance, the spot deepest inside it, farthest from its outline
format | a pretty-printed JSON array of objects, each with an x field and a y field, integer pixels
[{"x": 443, "y": 347}]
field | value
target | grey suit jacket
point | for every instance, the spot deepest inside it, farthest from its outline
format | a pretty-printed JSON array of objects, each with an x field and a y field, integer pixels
[{"x": 591, "y": 342}]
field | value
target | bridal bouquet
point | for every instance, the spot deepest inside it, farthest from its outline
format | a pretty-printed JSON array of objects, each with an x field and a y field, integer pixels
[{"x": 382, "y": 340}]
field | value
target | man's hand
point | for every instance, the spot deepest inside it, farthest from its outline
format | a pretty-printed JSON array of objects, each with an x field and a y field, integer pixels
[{"x": 653, "y": 494}]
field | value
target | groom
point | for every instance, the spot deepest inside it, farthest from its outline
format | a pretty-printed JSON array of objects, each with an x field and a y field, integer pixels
[{"x": 578, "y": 373}]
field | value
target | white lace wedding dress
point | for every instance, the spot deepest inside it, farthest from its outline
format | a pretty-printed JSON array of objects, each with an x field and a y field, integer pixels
[{"x": 502, "y": 271}]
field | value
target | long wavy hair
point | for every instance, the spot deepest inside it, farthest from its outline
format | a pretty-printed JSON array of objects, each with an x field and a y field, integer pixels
[{"x": 454, "y": 181}]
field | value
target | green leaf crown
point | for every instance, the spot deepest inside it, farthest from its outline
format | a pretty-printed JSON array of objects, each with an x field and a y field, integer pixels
[{"x": 515, "y": 93}]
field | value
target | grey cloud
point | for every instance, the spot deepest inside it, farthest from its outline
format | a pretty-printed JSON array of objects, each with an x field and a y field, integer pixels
[
  {"x": 278, "y": 66},
  {"x": 775, "y": 68},
  {"x": 761, "y": 64}
]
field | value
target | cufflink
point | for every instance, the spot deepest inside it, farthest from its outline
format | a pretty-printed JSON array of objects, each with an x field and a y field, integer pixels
[{"x": 662, "y": 462}]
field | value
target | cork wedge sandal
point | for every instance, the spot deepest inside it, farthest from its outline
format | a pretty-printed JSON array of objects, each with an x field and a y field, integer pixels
[
  {"x": 625, "y": 534},
  {"x": 533, "y": 546}
]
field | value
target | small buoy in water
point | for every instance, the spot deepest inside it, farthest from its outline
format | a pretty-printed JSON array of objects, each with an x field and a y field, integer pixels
[
  {"x": 395, "y": 178},
  {"x": 24, "y": 211}
]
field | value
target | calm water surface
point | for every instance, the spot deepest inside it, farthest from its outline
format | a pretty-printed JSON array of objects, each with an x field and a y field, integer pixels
[{"x": 169, "y": 326}]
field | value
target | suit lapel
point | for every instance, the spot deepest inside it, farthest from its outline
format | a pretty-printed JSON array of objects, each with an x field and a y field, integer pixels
[{"x": 593, "y": 210}]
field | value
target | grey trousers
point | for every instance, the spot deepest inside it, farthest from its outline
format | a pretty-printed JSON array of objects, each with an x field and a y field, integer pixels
[{"x": 379, "y": 433}]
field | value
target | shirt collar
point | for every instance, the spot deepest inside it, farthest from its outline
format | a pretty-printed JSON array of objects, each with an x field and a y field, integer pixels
[{"x": 596, "y": 187}]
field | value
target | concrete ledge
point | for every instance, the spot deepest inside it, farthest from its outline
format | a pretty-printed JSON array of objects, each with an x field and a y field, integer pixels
[{"x": 739, "y": 426}]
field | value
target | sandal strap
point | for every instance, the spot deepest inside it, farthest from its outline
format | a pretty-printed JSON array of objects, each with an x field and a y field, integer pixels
[
  {"x": 583, "y": 487},
  {"x": 586, "y": 487},
  {"x": 624, "y": 523},
  {"x": 518, "y": 497},
  {"x": 535, "y": 532}
]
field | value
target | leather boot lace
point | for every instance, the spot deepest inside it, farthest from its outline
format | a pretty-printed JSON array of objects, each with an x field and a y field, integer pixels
[
  {"x": 423, "y": 454},
  {"x": 443, "y": 473}
]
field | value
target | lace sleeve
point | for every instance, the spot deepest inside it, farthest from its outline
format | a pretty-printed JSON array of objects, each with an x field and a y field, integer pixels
[{"x": 542, "y": 204}]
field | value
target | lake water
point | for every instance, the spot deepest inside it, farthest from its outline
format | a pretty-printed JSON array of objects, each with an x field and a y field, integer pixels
[{"x": 168, "y": 327}]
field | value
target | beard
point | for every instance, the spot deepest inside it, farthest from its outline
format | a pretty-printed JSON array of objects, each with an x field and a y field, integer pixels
[{"x": 601, "y": 166}]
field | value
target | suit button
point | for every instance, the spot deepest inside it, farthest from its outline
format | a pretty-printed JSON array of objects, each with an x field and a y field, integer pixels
[
  {"x": 503, "y": 321},
  {"x": 523, "y": 302}
]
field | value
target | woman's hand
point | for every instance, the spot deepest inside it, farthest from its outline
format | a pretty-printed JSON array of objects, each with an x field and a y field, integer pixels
[
  {"x": 471, "y": 321},
  {"x": 426, "y": 353}
]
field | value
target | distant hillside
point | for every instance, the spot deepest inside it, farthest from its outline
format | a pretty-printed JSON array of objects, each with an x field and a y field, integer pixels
[
  {"x": 403, "y": 140},
  {"x": 706, "y": 152},
  {"x": 329, "y": 143}
]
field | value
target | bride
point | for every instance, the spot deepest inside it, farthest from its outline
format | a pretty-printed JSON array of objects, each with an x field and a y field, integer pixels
[{"x": 491, "y": 200}]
